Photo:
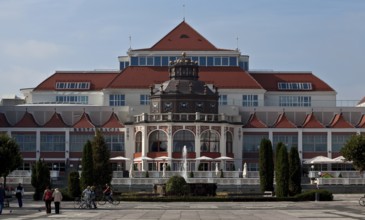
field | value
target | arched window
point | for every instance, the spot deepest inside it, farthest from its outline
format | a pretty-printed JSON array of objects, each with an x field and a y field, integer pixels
[
  {"x": 138, "y": 142},
  {"x": 229, "y": 143},
  {"x": 157, "y": 141},
  {"x": 184, "y": 138},
  {"x": 209, "y": 141}
]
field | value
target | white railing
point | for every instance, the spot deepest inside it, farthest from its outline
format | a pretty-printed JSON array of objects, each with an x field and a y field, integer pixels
[
  {"x": 197, "y": 174},
  {"x": 185, "y": 117},
  {"x": 16, "y": 180},
  {"x": 152, "y": 181},
  {"x": 20, "y": 173},
  {"x": 340, "y": 181},
  {"x": 336, "y": 174}
]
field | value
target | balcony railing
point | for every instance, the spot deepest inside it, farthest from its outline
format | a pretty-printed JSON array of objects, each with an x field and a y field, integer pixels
[{"x": 163, "y": 117}]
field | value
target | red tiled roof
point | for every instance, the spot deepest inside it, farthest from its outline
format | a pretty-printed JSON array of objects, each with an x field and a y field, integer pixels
[
  {"x": 55, "y": 121},
  {"x": 27, "y": 121},
  {"x": 269, "y": 81},
  {"x": 362, "y": 101},
  {"x": 338, "y": 121},
  {"x": 98, "y": 80},
  {"x": 311, "y": 121},
  {"x": 254, "y": 122},
  {"x": 113, "y": 122},
  {"x": 183, "y": 38},
  {"x": 4, "y": 121},
  {"x": 361, "y": 123},
  {"x": 222, "y": 77},
  {"x": 84, "y": 122},
  {"x": 283, "y": 122}
]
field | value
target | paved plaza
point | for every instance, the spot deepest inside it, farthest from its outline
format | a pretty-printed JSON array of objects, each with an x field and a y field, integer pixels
[{"x": 344, "y": 207}]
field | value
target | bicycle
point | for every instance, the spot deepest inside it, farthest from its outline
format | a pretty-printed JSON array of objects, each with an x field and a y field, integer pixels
[
  {"x": 81, "y": 203},
  {"x": 362, "y": 201},
  {"x": 104, "y": 199}
]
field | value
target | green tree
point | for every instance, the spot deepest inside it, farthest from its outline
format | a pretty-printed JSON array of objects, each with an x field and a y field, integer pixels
[
  {"x": 295, "y": 172},
  {"x": 354, "y": 150},
  {"x": 10, "y": 156},
  {"x": 266, "y": 166},
  {"x": 87, "y": 174},
  {"x": 101, "y": 160},
  {"x": 74, "y": 184},
  {"x": 40, "y": 178},
  {"x": 176, "y": 185},
  {"x": 282, "y": 171}
]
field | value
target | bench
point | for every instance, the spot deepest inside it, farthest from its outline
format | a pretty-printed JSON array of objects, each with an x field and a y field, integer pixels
[{"x": 264, "y": 194}]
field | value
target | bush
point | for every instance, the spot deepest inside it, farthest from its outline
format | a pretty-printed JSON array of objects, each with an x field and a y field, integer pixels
[
  {"x": 324, "y": 195},
  {"x": 176, "y": 185},
  {"x": 74, "y": 184},
  {"x": 65, "y": 195},
  {"x": 191, "y": 174}
]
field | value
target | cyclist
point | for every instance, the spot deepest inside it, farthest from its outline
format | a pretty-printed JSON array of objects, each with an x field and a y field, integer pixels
[{"x": 108, "y": 193}]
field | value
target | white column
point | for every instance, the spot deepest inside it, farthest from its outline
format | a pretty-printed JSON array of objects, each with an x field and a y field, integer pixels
[
  {"x": 144, "y": 145},
  {"x": 38, "y": 144},
  {"x": 300, "y": 144},
  {"x": 329, "y": 144},
  {"x": 197, "y": 146},
  {"x": 67, "y": 145}
]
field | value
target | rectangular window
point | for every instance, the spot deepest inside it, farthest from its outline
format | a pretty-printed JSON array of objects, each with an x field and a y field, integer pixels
[
  {"x": 202, "y": 61},
  {"x": 73, "y": 85},
  {"x": 72, "y": 99},
  {"x": 305, "y": 101},
  {"x": 224, "y": 61},
  {"x": 314, "y": 142},
  {"x": 115, "y": 142},
  {"x": 165, "y": 61},
  {"x": 250, "y": 100},
  {"x": 233, "y": 61},
  {"x": 157, "y": 61},
  {"x": 149, "y": 61},
  {"x": 173, "y": 59},
  {"x": 295, "y": 86},
  {"x": 223, "y": 100},
  {"x": 134, "y": 61},
  {"x": 210, "y": 61},
  {"x": 142, "y": 61},
  {"x": 116, "y": 100},
  {"x": 251, "y": 142},
  {"x": 52, "y": 142},
  {"x": 339, "y": 140},
  {"x": 121, "y": 65},
  {"x": 26, "y": 141},
  {"x": 195, "y": 59},
  {"x": 217, "y": 61},
  {"x": 78, "y": 140},
  {"x": 144, "y": 99},
  {"x": 289, "y": 140}
]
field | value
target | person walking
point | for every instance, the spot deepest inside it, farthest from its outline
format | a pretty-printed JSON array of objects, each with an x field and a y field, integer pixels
[
  {"x": 47, "y": 198},
  {"x": 93, "y": 196},
  {"x": 2, "y": 197},
  {"x": 19, "y": 192},
  {"x": 57, "y": 198}
]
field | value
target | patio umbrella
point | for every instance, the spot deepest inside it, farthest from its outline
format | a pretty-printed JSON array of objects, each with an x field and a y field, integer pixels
[
  {"x": 163, "y": 158},
  {"x": 319, "y": 160},
  {"x": 203, "y": 158},
  {"x": 341, "y": 159},
  {"x": 138, "y": 159},
  {"x": 119, "y": 158},
  {"x": 224, "y": 158}
]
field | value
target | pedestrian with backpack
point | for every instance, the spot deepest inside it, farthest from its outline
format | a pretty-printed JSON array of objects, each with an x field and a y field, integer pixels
[
  {"x": 19, "y": 192},
  {"x": 47, "y": 198}
]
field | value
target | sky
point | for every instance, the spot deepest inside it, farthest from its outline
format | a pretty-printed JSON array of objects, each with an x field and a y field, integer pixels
[{"x": 326, "y": 37}]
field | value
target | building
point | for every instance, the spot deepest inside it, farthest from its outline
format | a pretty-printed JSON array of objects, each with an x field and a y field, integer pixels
[{"x": 182, "y": 91}]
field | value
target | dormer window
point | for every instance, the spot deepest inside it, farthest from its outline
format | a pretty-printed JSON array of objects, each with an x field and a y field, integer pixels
[
  {"x": 295, "y": 86},
  {"x": 73, "y": 85}
]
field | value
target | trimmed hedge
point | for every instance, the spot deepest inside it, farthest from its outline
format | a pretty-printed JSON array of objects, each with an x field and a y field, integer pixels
[{"x": 324, "y": 195}]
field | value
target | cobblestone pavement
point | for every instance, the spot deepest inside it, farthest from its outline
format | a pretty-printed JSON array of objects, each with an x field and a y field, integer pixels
[{"x": 344, "y": 207}]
